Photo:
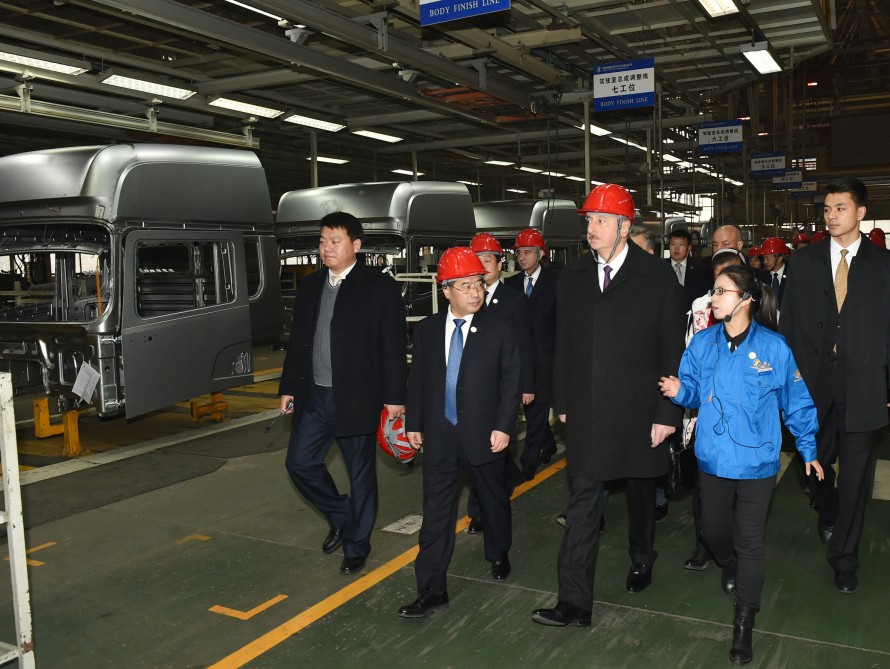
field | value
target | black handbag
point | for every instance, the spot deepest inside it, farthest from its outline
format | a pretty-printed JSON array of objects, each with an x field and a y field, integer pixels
[{"x": 683, "y": 462}]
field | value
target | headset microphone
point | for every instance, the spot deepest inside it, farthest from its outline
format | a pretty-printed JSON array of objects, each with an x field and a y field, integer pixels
[{"x": 728, "y": 317}]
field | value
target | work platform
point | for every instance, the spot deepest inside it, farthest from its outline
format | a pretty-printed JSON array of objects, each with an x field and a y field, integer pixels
[{"x": 202, "y": 554}]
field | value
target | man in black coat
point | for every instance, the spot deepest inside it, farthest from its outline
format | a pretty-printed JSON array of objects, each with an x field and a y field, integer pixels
[
  {"x": 462, "y": 408},
  {"x": 539, "y": 287},
  {"x": 836, "y": 317},
  {"x": 695, "y": 277},
  {"x": 619, "y": 325},
  {"x": 344, "y": 364}
]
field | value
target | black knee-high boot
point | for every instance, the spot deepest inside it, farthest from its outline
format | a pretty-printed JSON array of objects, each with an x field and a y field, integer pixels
[{"x": 742, "y": 633}]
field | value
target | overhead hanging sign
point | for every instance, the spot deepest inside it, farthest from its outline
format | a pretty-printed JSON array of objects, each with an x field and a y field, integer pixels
[
  {"x": 624, "y": 85},
  {"x": 791, "y": 179},
  {"x": 439, "y": 11},
  {"x": 720, "y": 137},
  {"x": 767, "y": 165},
  {"x": 805, "y": 188}
]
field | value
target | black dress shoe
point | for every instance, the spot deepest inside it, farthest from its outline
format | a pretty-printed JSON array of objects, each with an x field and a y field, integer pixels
[
  {"x": 825, "y": 532},
  {"x": 427, "y": 602},
  {"x": 727, "y": 579},
  {"x": 700, "y": 559},
  {"x": 475, "y": 526},
  {"x": 846, "y": 581},
  {"x": 547, "y": 456},
  {"x": 351, "y": 565},
  {"x": 528, "y": 472},
  {"x": 640, "y": 576},
  {"x": 333, "y": 540},
  {"x": 561, "y": 615},
  {"x": 661, "y": 511},
  {"x": 500, "y": 569}
]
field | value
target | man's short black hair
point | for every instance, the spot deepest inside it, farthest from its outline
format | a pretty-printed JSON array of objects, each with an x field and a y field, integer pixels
[
  {"x": 853, "y": 186},
  {"x": 348, "y": 222},
  {"x": 680, "y": 233}
]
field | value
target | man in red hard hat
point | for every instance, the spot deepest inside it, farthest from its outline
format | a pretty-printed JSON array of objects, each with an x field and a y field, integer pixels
[
  {"x": 877, "y": 236},
  {"x": 619, "y": 323},
  {"x": 539, "y": 287},
  {"x": 463, "y": 394},
  {"x": 800, "y": 240},
  {"x": 775, "y": 252},
  {"x": 755, "y": 257}
]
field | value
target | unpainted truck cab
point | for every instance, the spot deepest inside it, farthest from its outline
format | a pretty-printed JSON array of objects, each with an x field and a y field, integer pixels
[{"x": 147, "y": 267}]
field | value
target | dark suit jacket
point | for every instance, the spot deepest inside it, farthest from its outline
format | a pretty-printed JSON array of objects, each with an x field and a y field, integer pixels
[
  {"x": 542, "y": 306},
  {"x": 698, "y": 280},
  {"x": 368, "y": 342},
  {"x": 809, "y": 319},
  {"x": 487, "y": 386},
  {"x": 780, "y": 293},
  {"x": 508, "y": 304},
  {"x": 611, "y": 349}
]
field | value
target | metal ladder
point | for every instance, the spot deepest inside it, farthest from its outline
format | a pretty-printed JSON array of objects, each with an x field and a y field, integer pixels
[{"x": 23, "y": 649}]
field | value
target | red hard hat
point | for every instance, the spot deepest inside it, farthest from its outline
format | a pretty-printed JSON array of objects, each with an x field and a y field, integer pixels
[
  {"x": 392, "y": 439},
  {"x": 800, "y": 237},
  {"x": 755, "y": 251},
  {"x": 530, "y": 238},
  {"x": 878, "y": 237},
  {"x": 457, "y": 263},
  {"x": 775, "y": 246},
  {"x": 819, "y": 235},
  {"x": 485, "y": 242},
  {"x": 609, "y": 199}
]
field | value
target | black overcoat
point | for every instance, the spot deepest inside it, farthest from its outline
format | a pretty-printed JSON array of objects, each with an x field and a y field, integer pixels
[
  {"x": 368, "y": 344},
  {"x": 542, "y": 312},
  {"x": 611, "y": 349}
]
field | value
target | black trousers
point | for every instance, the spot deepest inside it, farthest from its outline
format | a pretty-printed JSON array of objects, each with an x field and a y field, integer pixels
[
  {"x": 734, "y": 528},
  {"x": 440, "y": 495},
  {"x": 841, "y": 498},
  {"x": 538, "y": 435},
  {"x": 580, "y": 543}
]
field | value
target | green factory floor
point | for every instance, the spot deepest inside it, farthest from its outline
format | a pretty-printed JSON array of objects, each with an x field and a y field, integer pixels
[{"x": 225, "y": 569}]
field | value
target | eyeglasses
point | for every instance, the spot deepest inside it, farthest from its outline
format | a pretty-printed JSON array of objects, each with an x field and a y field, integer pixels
[
  {"x": 720, "y": 291},
  {"x": 466, "y": 287}
]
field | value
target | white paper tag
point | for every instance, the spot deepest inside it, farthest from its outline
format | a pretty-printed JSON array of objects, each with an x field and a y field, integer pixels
[{"x": 85, "y": 383}]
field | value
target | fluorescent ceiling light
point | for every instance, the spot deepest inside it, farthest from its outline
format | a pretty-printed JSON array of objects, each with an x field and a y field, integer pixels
[
  {"x": 573, "y": 178},
  {"x": 516, "y": 190},
  {"x": 468, "y": 183},
  {"x": 332, "y": 161},
  {"x": 670, "y": 158},
  {"x": 498, "y": 162},
  {"x": 531, "y": 169},
  {"x": 314, "y": 123},
  {"x": 255, "y": 110},
  {"x": 254, "y": 9},
  {"x": 407, "y": 172},
  {"x": 148, "y": 87},
  {"x": 552, "y": 174},
  {"x": 629, "y": 143},
  {"x": 392, "y": 139},
  {"x": 596, "y": 130},
  {"x": 597, "y": 183},
  {"x": 716, "y": 8},
  {"x": 28, "y": 61},
  {"x": 758, "y": 54}
]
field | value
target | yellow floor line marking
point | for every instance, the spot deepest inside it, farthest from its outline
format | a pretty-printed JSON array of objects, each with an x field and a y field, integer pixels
[
  {"x": 247, "y": 615},
  {"x": 36, "y": 563},
  {"x": 262, "y": 372},
  {"x": 290, "y": 627},
  {"x": 194, "y": 537}
]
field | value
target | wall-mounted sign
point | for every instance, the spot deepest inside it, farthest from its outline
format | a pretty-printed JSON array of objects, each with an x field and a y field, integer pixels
[
  {"x": 438, "y": 11},
  {"x": 720, "y": 137},
  {"x": 767, "y": 165},
  {"x": 624, "y": 85}
]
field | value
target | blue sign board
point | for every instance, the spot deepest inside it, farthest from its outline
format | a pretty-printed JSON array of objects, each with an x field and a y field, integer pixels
[
  {"x": 624, "y": 85},
  {"x": 439, "y": 11},
  {"x": 767, "y": 165},
  {"x": 720, "y": 137}
]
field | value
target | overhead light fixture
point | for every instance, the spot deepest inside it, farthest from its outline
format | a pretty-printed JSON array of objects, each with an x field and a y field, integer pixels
[
  {"x": 533, "y": 170},
  {"x": 762, "y": 134},
  {"x": 574, "y": 178},
  {"x": 760, "y": 57},
  {"x": 503, "y": 163},
  {"x": 332, "y": 161},
  {"x": 812, "y": 84},
  {"x": 552, "y": 174},
  {"x": 468, "y": 183},
  {"x": 57, "y": 65},
  {"x": 743, "y": 118},
  {"x": 254, "y": 9},
  {"x": 517, "y": 190},
  {"x": 407, "y": 172},
  {"x": 596, "y": 130},
  {"x": 392, "y": 139},
  {"x": 147, "y": 87},
  {"x": 255, "y": 110},
  {"x": 717, "y": 8},
  {"x": 597, "y": 183},
  {"x": 314, "y": 123}
]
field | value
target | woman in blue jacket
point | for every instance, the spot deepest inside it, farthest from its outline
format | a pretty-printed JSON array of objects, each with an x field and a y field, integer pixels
[{"x": 740, "y": 374}]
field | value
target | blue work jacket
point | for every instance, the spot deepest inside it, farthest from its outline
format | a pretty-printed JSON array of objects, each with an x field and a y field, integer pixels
[{"x": 739, "y": 396}]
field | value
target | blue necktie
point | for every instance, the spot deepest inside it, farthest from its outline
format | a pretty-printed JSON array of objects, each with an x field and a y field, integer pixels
[
  {"x": 607, "y": 278},
  {"x": 455, "y": 351},
  {"x": 528, "y": 287}
]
